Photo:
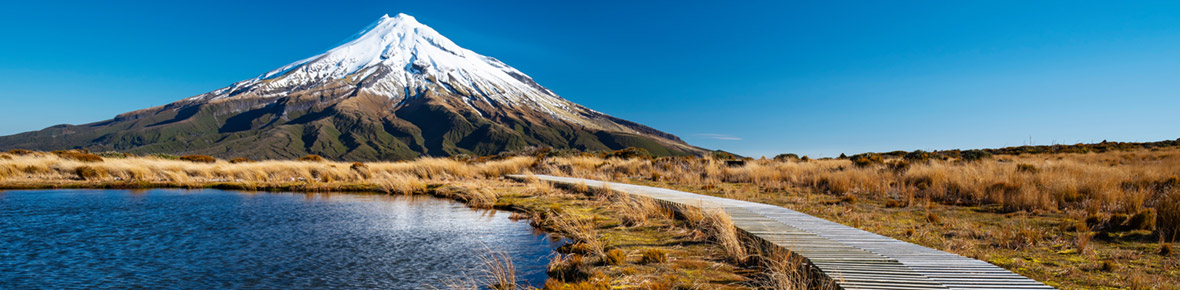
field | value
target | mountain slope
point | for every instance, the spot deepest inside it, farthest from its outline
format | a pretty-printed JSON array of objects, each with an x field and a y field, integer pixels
[{"x": 395, "y": 90}]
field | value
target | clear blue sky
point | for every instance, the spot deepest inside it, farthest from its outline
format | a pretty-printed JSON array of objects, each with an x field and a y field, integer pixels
[{"x": 815, "y": 77}]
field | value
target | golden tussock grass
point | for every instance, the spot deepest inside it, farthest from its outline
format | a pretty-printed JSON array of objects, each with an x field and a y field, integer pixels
[
  {"x": 499, "y": 271},
  {"x": 394, "y": 177},
  {"x": 1113, "y": 182},
  {"x": 719, "y": 227},
  {"x": 581, "y": 229},
  {"x": 784, "y": 271}
]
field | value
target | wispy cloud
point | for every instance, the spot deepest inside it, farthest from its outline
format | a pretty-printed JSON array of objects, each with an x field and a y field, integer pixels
[{"x": 718, "y": 136}]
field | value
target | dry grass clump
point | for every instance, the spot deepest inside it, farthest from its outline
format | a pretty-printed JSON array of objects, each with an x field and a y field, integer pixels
[
  {"x": 783, "y": 271},
  {"x": 312, "y": 158},
  {"x": 473, "y": 195},
  {"x": 499, "y": 271},
  {"x": 240, "y": 160},
  {"x": 719, "y": 227},
  {"x": 581, "y": 229},
  {"x": 78, "y": 156},
  {"x": 635, "y": 211}
]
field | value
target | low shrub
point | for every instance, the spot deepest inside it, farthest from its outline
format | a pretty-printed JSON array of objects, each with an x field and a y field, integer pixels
[
  {"x": 164, "y": 156},
  {"x": 918, "y": 156},
  {"x": 199, "y": 158},
  {"x": 786, "y": 157},
  {"x": 312, "y": 158},
  {"x": 974, "y": 155},
  {"x": 240, "y": 160},
  {"x": 866, "y": 159},
  {"x": 630, "y": 153},
  {"x": 78, "y": 156},
  {"x": 20, "y": 152},
  {"x": 653, "y": 256},
  {"x": 113, "y": 154}
]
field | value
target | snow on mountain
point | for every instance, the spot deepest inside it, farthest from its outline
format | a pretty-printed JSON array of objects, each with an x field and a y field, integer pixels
[{"x": 400, "y": 58}]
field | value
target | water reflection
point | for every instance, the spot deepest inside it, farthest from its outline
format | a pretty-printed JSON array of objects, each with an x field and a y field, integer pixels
[{"x": 179, "y": 239}]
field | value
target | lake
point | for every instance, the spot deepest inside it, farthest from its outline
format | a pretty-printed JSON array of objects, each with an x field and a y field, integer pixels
[{"x": 200, "y": 239}]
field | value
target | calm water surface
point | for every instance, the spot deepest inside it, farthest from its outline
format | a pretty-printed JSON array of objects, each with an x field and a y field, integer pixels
[{"x": 180, "y": 239}]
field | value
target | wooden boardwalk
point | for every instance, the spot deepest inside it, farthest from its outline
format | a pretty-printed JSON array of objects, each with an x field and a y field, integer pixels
[{"x": 853, "y": 258}]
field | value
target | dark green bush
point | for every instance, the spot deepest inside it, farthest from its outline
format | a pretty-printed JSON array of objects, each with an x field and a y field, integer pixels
[
  {"x": 866, "y": 159},
  {"x": 918, "y": 156},
  {"x": 786, "y": 157},
  {"x": 630, "y": 153},
  {"x": 164, "y": 156},
  {"x": 974, "y": 155}
]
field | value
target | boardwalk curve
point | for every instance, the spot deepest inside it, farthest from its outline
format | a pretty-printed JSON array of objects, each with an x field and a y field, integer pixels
[{"x": 853, "y": 258}]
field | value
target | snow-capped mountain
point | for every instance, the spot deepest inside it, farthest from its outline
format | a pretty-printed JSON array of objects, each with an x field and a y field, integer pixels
[{"x": 395, "y": 90}]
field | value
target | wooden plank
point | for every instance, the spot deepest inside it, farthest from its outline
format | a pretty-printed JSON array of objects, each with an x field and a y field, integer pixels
[{"x": 851, "y": 257}]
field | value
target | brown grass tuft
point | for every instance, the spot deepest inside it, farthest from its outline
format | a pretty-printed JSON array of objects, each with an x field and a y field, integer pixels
[
  {"x": 616, "y": 257},
  {"x": 199, "y": 158},
  {"x": 21, "y": 152},
  {"x": 87, "y": 173},
  {"x": 653, "y": 256},
  {"x": 78, "y": 156},
  {"x": 312, "y": 158},
  {"x": 1168, "y": 216},
  {"x": 499, "y": 272},
  {"x": 1107, "y": 266}
]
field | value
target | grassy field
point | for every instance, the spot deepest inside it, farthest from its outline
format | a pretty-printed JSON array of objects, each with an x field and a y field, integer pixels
[{"x": 1072, "y": 220}]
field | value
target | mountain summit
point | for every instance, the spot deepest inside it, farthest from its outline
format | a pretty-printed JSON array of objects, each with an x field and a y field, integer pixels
[{"x": 395, "y": 90}]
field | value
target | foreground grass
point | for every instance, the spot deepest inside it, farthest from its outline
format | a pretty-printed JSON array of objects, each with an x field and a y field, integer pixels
[{"x": 1074, "y": 221}]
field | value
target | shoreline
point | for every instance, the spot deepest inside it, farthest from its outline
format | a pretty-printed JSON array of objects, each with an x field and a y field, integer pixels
[{"x": 575, "y": 265}]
